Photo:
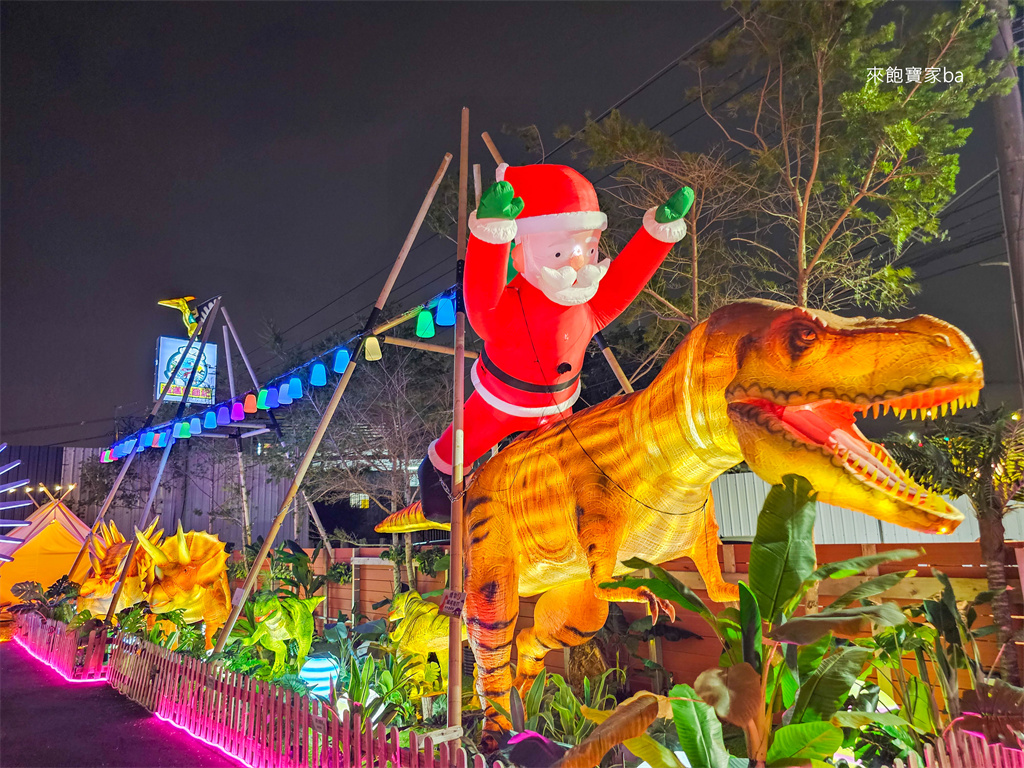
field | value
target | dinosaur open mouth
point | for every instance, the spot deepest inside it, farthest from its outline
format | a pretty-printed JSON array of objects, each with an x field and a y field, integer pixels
[{"x": 829, "y": 426}]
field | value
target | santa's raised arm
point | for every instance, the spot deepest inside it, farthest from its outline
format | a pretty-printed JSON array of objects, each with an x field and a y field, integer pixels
[{"x": 537, "y": 326}]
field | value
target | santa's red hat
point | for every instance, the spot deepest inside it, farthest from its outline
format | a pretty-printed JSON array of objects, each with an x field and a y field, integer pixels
[{"x": 556, "y": 199}]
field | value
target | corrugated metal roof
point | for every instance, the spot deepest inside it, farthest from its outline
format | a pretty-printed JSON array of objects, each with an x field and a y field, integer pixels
[
  {"x": 739, "y": 497},
  {"x": 39, "y": 463},
  {"x": 738, "y": 500},
  {"x": 192, "y": 498}
]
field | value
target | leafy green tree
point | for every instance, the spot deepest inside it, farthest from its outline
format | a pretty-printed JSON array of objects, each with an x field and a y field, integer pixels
[
  {"x": 834, "y": 160},
  {"x": 982, "y": 459}
]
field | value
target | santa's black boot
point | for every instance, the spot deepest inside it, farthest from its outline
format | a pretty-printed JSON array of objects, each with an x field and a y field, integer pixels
[{"x": 435, "y": 490}]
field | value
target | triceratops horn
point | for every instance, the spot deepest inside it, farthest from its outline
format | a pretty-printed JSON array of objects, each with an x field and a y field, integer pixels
[
  {"x": 184, "y": 556},
  {"x": 151, "y": 549}
]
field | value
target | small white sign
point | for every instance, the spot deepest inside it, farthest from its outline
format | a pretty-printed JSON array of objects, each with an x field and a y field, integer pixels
[
  {"x": 451, "y": 603},
  {"x": 319, "y": 723}
]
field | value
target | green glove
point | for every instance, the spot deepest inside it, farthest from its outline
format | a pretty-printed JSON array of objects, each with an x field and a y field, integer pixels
[
  {"x": 677, "y": 206},
  {"x": 500, "y": 202}
]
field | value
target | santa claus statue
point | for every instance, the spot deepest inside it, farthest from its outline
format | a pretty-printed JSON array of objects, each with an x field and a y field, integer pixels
[{"x": 536, "y": 327}]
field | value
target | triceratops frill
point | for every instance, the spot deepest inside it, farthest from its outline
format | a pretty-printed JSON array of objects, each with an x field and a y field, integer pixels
[
  {"x": 189, "y": 573},
  {"x": 107, "y": 551}
]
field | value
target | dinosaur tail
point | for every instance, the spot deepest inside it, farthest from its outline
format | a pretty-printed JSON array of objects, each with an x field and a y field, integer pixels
[{"x": 409, "y": 519}]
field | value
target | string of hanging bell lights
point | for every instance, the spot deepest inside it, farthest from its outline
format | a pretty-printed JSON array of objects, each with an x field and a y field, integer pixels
[{"x": 282, "y": 390}]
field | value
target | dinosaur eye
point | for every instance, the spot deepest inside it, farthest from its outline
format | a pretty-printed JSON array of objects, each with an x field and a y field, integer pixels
[
  {"x": 558, "y": 255},
  {"x": 801, "y": 337}
]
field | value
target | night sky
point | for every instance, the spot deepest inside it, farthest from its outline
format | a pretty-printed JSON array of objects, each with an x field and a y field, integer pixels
[{"x": 277, "y": 153}]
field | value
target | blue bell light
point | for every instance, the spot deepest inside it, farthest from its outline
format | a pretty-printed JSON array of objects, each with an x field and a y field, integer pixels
[
  {"x": 210, "y": 420},
  {"x": 341, "y": 360},
  {"x": 223, "y": 416},
  {"x": 179, "y": 429},
  {"x": 295, "y": 388},
  {"x": 195, "y": 426},
  {"x": 446, "y": 311},
  {"x": 272, "y": 401},
  {"x": 283, "y": 395},
  {"x": 318, "y": 376}
]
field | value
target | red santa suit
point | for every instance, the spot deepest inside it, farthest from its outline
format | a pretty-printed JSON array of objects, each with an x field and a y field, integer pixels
[{"x": 529, "y": 372}]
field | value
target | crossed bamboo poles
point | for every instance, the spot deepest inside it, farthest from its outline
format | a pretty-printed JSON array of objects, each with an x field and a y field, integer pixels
[{"x": 373, "y": 327}]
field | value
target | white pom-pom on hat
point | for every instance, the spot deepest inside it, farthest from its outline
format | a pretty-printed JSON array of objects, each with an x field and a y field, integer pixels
[{"x": 499, "y": 172}]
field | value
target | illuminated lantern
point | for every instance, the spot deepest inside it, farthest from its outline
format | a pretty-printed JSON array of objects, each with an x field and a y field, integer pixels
[
  {"x": 295, "y": 388},
  {"x": 129, "y": 445},
  {"x": 372, "y": 349},
  {"x": 162, "y": 438},
  {"x": 251, "y": 406},
  {"x": 179, "y": 427},
  {"x": 195, "y": 426},
  {"x": 320, "y": 672},
  {"x": 272, "y": 401},
  {"x": 210, "y": 420},
  {"x": 425, "y": 325},
  {"x": 283, "y": 396},
  {"x": 223, "y": 416},
  {"x": 105, "y": 457},
  {"x": 341, "y": 360},
  {"x": 318, "y": 376},
  {"x": 445, "y": 312},
  {"x": 261, "y": 400},
  {"x": 155, "y": 440},
  {"x": 237, "y": 411}
]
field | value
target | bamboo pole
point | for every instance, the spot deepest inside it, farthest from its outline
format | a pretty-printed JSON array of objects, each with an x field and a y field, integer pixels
[
  {"x": 613, "y": 363},
  {"x": 328, "y": 413},
  {"x": 207, "y": 325},
  {"x": 277, "y": 429},
  {"x": 128, "y": 459},
  {"x": 458, "y": 482},
  {"x": 490, "y": 146},
  {"x": 413, "y": 344},
  {"x": 246, "y": 519}
]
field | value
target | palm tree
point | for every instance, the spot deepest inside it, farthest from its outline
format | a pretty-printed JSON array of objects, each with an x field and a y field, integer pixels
[{"x": 982, "y": 459}]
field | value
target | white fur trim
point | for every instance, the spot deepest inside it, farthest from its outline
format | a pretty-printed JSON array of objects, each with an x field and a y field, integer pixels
[
  {"x": 493, "y": 231},
  {"x": 440, "y": 464},
  {"x": 670, "y": 232},
  {"x": 569, "y": 221},
  {"x": 499, "y": 172},
  {"x": 521, "y": 410}
]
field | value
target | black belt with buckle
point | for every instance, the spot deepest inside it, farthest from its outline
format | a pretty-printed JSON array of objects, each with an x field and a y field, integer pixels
[{"x": 525, "y": 386}]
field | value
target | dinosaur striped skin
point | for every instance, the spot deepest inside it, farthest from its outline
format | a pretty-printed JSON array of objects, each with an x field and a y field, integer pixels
[{"x": 560, "y": 509}]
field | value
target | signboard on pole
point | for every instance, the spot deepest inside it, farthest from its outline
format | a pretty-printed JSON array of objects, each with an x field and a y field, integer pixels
[{"x": 204, "y": 386}]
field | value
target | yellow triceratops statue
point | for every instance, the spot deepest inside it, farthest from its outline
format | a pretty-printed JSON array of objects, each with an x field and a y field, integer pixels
[
  {"x": 107, "y": 551},
  {"x": 189, "y": 573}
]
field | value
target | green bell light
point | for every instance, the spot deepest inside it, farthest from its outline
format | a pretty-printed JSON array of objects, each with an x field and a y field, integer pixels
[{"x": 425, "y": 325}]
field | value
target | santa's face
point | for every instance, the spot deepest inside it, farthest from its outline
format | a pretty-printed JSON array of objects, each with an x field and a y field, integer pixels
[{"x": 561, "y": 264}]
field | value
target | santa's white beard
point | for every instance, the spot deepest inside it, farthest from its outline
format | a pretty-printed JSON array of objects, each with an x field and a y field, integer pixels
[{"x": 569, "y": 287}]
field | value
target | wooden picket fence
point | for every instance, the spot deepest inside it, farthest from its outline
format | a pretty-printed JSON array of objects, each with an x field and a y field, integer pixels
[
  {"x": 960, "y": 749},
  {"x": 264, "y": 725},
  {"x": 267, "y": 726},
  {"x": 73, "y": 656}
]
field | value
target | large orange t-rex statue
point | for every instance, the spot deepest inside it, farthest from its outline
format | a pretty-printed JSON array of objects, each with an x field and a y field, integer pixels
[{"x": 560, "y": 509}]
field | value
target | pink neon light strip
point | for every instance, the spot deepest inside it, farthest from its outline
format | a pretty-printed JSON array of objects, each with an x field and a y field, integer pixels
[
  {"x": 205, "y": 741},
  {"x": 59, "y": 672}
]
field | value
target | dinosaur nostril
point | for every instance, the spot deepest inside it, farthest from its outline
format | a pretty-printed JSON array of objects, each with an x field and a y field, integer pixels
[{"x": 942, "y": 340}]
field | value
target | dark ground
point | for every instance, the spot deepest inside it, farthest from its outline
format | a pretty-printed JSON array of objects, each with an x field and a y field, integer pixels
[{"x": 47, "y": 722}]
